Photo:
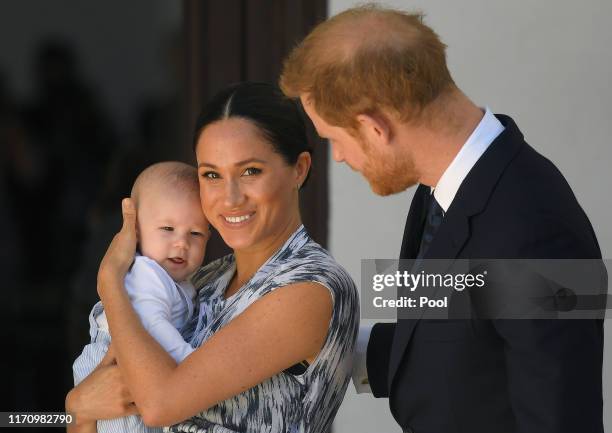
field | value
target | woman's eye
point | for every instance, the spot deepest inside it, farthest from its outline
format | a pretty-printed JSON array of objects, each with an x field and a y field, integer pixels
[
  {"x": 167, "y": 228},
  {"x": 211, "y": 175},
  {"x": 251, "y": 171}
]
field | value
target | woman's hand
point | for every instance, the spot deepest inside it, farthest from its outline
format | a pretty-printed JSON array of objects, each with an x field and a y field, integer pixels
[
  {"x": 120, "y": 253},
  {"x": 101, "y": 395}
]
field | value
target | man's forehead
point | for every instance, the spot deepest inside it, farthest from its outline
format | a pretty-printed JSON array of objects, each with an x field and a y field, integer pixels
[{"x": 311, "y": 112}]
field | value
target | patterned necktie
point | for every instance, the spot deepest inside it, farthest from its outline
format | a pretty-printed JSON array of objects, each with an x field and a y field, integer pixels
[{"x": 435, "y": 215}]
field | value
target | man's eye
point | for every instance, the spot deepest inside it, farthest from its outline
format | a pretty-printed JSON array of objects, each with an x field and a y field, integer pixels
[
  {"x": 211, "y": 175},
  {"x": 167, "y": 228},
  {"x": 252, "y": 171}
]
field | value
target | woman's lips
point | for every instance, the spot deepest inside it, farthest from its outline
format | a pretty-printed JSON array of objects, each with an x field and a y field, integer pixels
[{"x": 237, "y": 221}]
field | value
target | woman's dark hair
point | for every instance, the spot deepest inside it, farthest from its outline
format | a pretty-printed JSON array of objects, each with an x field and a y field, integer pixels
[{"x": 278, "y": 117}]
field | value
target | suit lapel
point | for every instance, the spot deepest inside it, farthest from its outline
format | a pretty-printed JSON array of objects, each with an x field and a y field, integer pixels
[
  {"x": 454, "y": 232},
  {"x": 413, "y": 231},
  {"x": 414, "y": 223},
  {"x": 450, "y": 238}
]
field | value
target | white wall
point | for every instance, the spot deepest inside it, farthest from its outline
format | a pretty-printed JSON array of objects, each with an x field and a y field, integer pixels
[{"x": 546, "y": 63}]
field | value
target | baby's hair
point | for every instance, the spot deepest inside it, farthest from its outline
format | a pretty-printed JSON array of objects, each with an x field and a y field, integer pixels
[{"x": 175, "y": 176}]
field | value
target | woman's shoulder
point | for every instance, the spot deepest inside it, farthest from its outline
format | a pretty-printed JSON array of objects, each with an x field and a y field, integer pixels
[
  {"x": 315, "y": 253},
  {"x": 314, "y": 263}
]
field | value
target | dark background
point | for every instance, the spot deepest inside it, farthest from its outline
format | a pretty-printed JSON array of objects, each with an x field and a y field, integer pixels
[{"x": 90, "y": 94}]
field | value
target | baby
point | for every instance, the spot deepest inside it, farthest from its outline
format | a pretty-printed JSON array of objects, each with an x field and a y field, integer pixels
[{"x": 172, "y": 234}]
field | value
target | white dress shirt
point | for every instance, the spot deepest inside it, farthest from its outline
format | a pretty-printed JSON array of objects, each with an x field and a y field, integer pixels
[{"x": 444, "y": 192}]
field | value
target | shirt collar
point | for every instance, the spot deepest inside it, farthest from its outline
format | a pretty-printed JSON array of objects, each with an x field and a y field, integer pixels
[{"x": 487, "y": 130}]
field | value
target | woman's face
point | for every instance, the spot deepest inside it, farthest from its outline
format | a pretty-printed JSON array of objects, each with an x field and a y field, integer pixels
[{"x": 248, "y": 191}]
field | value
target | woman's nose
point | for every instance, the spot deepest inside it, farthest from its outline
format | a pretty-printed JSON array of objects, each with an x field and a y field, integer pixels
[{"x": 233, "y": 194}]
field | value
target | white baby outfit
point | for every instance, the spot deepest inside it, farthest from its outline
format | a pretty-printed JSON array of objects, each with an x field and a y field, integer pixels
[{"x": 163, "y": 306}]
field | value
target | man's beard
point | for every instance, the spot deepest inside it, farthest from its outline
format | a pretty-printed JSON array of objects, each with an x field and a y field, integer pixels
[{"x": 388, "y": 175}]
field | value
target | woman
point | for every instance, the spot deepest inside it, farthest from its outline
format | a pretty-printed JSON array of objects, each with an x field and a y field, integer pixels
[{"x": 278, "y": 317}]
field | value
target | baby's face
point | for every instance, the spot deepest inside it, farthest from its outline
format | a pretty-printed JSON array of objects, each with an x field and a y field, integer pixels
[{"x": 173, "y": 231}]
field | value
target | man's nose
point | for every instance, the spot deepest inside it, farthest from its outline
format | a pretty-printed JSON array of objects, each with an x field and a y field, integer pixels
[{"x": 337, "y": 153}]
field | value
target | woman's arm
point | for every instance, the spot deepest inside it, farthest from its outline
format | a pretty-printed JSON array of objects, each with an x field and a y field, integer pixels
[
  {"x": 105, "y": 387},
  {"x": 276, "y": 332},
  {"x": 279, "y": 330}
]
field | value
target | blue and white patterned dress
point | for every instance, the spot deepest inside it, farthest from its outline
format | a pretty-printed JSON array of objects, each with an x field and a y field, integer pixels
[{"x": 304, "y": 403}]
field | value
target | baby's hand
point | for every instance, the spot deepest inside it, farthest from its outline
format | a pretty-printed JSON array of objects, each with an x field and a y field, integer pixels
[{"x": 120, "y": 253}]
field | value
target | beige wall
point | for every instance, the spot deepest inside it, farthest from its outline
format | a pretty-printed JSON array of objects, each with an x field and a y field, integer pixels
[{"x": 547, "y": 64}]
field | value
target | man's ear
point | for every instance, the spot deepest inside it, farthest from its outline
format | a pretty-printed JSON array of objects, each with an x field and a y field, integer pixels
[{"x": 376, "y": 127}]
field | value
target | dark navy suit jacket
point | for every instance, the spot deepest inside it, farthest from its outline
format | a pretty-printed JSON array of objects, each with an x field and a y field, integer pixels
[{"x": 496, "y": 376}]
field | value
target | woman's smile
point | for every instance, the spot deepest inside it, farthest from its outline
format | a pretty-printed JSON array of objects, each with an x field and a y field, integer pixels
[
  {"x": 239, "y": 220},
  {"x": 249, "y": 187}
]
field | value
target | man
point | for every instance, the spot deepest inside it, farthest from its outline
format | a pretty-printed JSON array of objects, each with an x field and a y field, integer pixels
[{"x": 374, "y": 82}]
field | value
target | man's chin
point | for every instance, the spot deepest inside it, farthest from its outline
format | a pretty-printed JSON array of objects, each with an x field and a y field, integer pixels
[
  {"x": 386, "y": 190},
  {"x": 383, "y": 190}
]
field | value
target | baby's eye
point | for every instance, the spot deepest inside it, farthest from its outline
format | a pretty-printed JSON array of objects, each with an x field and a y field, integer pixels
[
  {"x": 251, "y": 171},
  {"x": 197, "y": 234},
  {"x": 167, "y": 228},
  {"x": 211, "y": 175}
]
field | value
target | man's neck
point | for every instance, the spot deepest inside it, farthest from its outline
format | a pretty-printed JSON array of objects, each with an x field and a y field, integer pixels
[{"x": 436, "y": 145}]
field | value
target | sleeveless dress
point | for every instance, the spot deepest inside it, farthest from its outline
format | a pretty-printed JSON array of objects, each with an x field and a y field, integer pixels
[{"x": 292, "y": 403}]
